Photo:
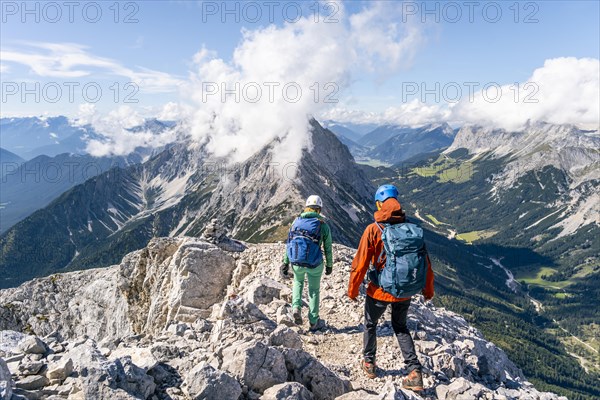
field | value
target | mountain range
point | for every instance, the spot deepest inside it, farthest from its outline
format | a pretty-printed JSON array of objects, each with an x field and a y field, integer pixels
[
  {"x": 177, "y": 192},
  {"x": 502, "y": 193},
  {"x": 29, "y": 137},
  {"x": 29, "y": 185},
  {"x": 512, "y": 230},
  {"x": 7, "y": 157},
  {"x": 392, "y": 144}
]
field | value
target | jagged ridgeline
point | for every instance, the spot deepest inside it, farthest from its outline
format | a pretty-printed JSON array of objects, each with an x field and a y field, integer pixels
[
  {"x": 182, "y": 319},
  {"x": 177, "y": 192}
]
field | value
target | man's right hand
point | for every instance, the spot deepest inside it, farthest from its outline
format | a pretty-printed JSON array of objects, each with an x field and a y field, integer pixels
[{"x": 284, "y": 271}]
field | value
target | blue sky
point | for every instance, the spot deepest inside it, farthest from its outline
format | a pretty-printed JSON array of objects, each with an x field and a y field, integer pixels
[{"x": 167, "y": 35}]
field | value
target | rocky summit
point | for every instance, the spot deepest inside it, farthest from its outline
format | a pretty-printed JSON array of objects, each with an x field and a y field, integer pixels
[{"x": 184, "y": 318}]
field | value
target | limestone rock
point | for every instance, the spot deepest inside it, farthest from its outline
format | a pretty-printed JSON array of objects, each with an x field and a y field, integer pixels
[
  {"x": 32, "y": 345},
  {"x": 9, "y": 342},
  {"x": 32, "y": 382},
  {"x": 287, "y": 391},
  {"x": 184, "y": 304},
  {"x": 241, "y": 311},
  {"x": 134, "y": 380},
  {"x": 205, "y": 382},
  {"x": 286, "y": 337},
  {"x": 143, "y": 357},
  {"x": 5, "y": 381},
  {"x": 263, "y": 290},
  {"x": 307, "y": 370},
  {"x": 139, "y": 295},
  {"x": 358, "y": 395},
  {"x": 30, "y": 367},
  {"x": 60, "y": 370},
  {"x": 257, "y": 365}
]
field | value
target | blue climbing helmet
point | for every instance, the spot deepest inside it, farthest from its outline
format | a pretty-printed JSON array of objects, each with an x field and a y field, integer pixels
[{"x": 385, "y": 192}]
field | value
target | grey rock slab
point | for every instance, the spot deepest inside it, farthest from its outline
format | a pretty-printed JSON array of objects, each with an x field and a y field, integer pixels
[
  {"x": 285, "y": 337},
  {"x": 32, "y": 345},
  {"x": 32, "y": 382},
  {"x": 204, "y": 382},
  {"x": 321, "y": 381},
  {"x": 60, "y": 370},
  {"x": 287, "y": 391},
  {"x": 256, "y": 365}
]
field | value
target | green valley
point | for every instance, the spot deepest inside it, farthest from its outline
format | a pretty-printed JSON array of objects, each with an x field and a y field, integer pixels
[{"x": 548, "y": 324}]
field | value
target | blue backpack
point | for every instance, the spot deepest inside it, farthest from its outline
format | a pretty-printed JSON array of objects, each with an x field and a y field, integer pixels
[
  {"x": 303, "y": 243},
  {"x": 405, "y": 269}
]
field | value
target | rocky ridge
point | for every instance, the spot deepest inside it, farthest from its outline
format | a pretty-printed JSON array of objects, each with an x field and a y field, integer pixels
[{"x": 185, "y": 319}]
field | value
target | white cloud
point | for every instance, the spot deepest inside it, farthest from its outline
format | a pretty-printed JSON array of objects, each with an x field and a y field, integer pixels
[
  {"x": 383, "y": 43},
  {"x": 172, "y": 111},
  {"x": 72, "y": 61},
  {"x": 304, "y": 53},
  {"x": 114, "y": 127},
  {"x": 565, "y": 91},
  {"x": 414, "y": 114}
]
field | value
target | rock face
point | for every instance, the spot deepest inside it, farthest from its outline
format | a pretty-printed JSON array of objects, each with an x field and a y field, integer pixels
[
  {"x": 185, "y": 319},
  {"x": 5, "y": 381},
  {"x": 169, "y": 280}
]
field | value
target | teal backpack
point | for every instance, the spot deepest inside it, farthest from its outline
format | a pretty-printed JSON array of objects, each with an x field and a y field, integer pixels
[{"x": 405, "y": 268}]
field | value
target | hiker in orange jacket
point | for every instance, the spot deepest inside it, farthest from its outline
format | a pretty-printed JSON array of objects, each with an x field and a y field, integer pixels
[{"x": 371, "y": 251}]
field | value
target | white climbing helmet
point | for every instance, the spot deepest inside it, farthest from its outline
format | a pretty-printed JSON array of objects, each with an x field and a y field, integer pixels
[{"x": 314, "y": 201}]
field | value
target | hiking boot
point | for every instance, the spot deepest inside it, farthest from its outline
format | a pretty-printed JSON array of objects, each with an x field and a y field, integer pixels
[
  {"x": 370, "y": 369},
  {"x": 414, "y": 381},
  {"x": 297, "y": 314},
  {"x": 317, "y": 326}
]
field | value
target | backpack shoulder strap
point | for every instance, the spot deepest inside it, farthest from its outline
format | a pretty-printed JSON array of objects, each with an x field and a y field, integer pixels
[{"x": 379, "y": 226}]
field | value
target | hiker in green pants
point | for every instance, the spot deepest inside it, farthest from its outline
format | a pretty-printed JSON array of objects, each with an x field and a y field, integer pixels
[{"x": 308, "y": 234}]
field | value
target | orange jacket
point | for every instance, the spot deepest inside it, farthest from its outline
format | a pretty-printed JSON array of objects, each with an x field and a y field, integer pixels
[{"x": 369, "y": 250}]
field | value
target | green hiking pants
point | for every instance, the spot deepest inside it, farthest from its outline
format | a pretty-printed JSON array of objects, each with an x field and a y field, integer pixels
[{"x": 314, "y": 286}]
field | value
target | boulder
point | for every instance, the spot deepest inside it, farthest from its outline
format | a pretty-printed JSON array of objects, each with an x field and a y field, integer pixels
[
  {"x": 5, "y": 381},
  {"x": 196, "y": 264},
  {"x": 134, "y": 379},
  {"x": 32, "y": 382},
  {"x": 287, "y": 391},
  {"x": 285, "y": 337},
  {"x": 177, "y": 328},
  {"x": 205, "y": 382},
  {"x": 453, "y": 390},
  {"x": 100, "y": 378},
  {"x": 307, "y": 370},
  {"x": 32, "y": 345},
  {"x": 60, "y": 369},
  {"x": 263, "y": 290},
  {"x": 284, "y": 316},
  {"x": 257, "y": 365},
  {"x": 30, "y": 367},
  {"x": 241, "y": 311},
  {"x": 143, "y": 357}
]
